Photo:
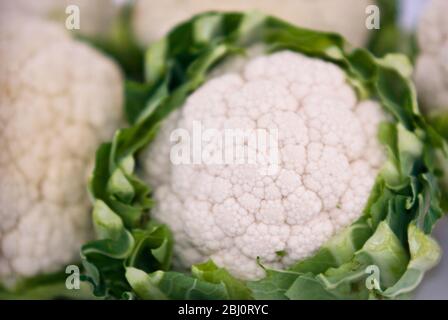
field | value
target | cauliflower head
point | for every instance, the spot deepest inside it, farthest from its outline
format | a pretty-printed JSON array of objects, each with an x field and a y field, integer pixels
[
  {"x": 153, "y": 19},
  {"x": 59, "y": 100},
  {"x": 96, "y": 16},
  {"x": 329, "y": 157},
  {"x": 431, "y": 71}
]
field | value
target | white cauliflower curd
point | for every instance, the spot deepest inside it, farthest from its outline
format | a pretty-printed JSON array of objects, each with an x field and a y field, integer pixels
[
  {"x": 329, "y": 157},
  {"x": 431, "y": 72},
  {"x": 59, "y": 99},
  {"x": 154, "y": 18}
]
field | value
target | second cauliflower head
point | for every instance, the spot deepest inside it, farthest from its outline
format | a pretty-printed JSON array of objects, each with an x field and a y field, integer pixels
[
  {"x": 59, "y": 100},
  {"x": 329, "y": 156},
  {"x": 153, "y": 18},
  {"x": 431, "y": 71}
]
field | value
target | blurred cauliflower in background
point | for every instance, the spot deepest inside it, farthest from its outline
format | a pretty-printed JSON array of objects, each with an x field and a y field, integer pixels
[
  {"x": 104, "y": 24},
  {"x": 59, "y": 99},
  {"x": 431, "y": 79},
  {"x": 153, "y": 18},
  {"x": 96, "y": 16},
  {"x": 431, "y": 71}
]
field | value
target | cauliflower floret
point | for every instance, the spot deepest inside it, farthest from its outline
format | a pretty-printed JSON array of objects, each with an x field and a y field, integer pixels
[
  {"x": 328, "y": 158},
  {"x": 154, "y": 18},
  {"x": 59, "y": 99},
  {"x": 431, "y": 72},
  {"x": 96, "y": 16}
]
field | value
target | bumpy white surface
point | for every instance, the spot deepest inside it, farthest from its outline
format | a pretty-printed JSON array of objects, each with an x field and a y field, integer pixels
[
  {"x": 431, "y": 72},
  {"x": 58, "y": 100},
  {"x": 96, "y": 16},
  {"x": 329, "y": 158},
  {"x": 153, "y": 18}
]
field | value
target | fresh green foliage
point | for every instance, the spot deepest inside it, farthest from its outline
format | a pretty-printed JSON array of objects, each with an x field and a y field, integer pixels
[
  {"x": 121, "y": 45},
  {"x": 208, "y": 283},
  {"x": 131, "y": 257},
  {"x": 46, "y": 287},
  {"x": 440, "y": 123}
]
